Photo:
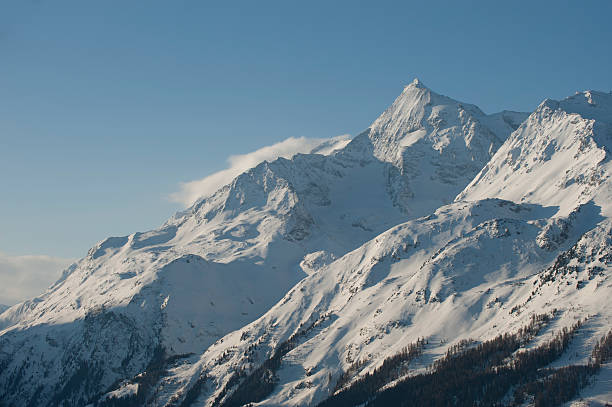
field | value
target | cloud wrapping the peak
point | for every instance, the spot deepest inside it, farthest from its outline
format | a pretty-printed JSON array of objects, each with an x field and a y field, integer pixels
[
  {"x": 24, "y": 277},
  {"x": 190, "y": 192}
]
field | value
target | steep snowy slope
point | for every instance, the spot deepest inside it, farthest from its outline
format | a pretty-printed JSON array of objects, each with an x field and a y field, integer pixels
[
  {"x": 474, "y": 269},
  {"x": 226, "y": 260},
  {"x": 468, "y": 271},
  {"x": 559, "y": 156}
]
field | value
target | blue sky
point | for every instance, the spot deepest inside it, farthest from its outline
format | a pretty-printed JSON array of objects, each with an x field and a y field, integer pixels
[{"x": 105, "y": 107}]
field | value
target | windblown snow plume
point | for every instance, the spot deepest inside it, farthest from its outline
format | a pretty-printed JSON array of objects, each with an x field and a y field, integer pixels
[{"x": 191, "y": 191}]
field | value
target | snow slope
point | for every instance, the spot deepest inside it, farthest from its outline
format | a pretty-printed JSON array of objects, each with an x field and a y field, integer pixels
[
  {"x": 559, "y": 156},
  {"x": 229, "y": 258},
  {"x": 434, "y": 277}
]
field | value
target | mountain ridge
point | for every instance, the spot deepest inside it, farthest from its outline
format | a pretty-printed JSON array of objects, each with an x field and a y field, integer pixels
[
  {"x": 576, "y": 133},
  {"x": 348, "y": 254}
]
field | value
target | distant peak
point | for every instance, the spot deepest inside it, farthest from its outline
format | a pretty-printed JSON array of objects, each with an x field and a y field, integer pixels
[
  {"x": 416, "y": 83},
  {"x": 416, "y": 87}
]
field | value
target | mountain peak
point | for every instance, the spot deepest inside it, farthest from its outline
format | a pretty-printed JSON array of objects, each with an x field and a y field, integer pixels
[
  {"x": 416, "y": 83},
  {"x": 420, "y": 113}
]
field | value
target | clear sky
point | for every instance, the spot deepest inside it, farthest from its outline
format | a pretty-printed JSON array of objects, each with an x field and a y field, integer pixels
[{"x": 106, "y": 106}]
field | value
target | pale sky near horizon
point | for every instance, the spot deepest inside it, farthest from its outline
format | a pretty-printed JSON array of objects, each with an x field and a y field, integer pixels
[{"x": 106, "y": 107}]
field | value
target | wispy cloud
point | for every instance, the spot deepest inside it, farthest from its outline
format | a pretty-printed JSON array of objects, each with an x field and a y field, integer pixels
[
  {"x": 24, "y": 277},
  {"x": 191, "y": 191}
]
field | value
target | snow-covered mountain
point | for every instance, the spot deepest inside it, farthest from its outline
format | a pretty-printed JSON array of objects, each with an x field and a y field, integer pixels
[
  {"x": 228, "y": 259},
  {"x": 473, "y": 269},
  {"x": 434, "y": 229}
]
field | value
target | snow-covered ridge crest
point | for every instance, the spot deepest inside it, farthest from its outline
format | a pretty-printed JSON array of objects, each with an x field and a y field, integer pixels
[{"x": 558, "y": 156}]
